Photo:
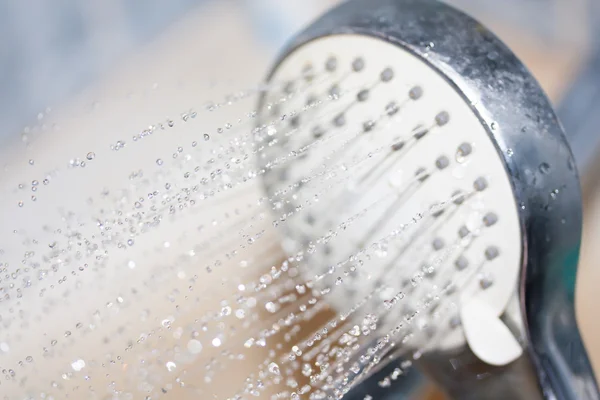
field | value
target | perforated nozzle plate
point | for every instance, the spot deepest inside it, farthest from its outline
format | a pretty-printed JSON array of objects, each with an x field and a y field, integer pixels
[{"x": 392, "y": 187}]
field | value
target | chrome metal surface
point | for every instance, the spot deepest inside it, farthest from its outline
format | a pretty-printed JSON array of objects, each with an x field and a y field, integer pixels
[
  {"x": 465, "y": 377},
  {"x": 520, "y": 121}
]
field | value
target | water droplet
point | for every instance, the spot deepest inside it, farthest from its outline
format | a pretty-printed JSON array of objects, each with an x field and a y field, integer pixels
[
  {"x": 159, "y": 161},
  {"x": 194, "y": 346},
  {"x": 544, "y": 168},
  {"x": 271, "y": 307},
  {"x": 78, "y": 365},
  {"x": 206, "y": 136},
  {"x": 90, "y": 156},
  {"x": 170, "y": 366},
  {"x": 274, "y": 369}
]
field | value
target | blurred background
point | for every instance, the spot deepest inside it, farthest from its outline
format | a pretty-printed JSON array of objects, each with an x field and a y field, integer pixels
[
  {"x": 65, "y": 56},
  {"x": 50, "y": 51}
]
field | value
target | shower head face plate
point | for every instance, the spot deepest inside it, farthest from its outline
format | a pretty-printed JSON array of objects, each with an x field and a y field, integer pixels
[{"x": 380, "y": 164}]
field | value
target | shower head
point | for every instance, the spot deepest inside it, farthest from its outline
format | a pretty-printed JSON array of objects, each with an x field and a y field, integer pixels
[{"x": 423, "y": 175}]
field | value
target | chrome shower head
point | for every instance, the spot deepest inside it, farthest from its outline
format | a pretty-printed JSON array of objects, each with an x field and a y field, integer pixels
[{"x": 421, "y": 171}]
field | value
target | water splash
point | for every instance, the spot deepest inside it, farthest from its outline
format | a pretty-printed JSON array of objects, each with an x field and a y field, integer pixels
[{"x": 184, "y": 259}]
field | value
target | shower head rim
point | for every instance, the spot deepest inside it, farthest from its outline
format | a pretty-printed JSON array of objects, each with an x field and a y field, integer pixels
[{"x": 498, "y": 88}]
